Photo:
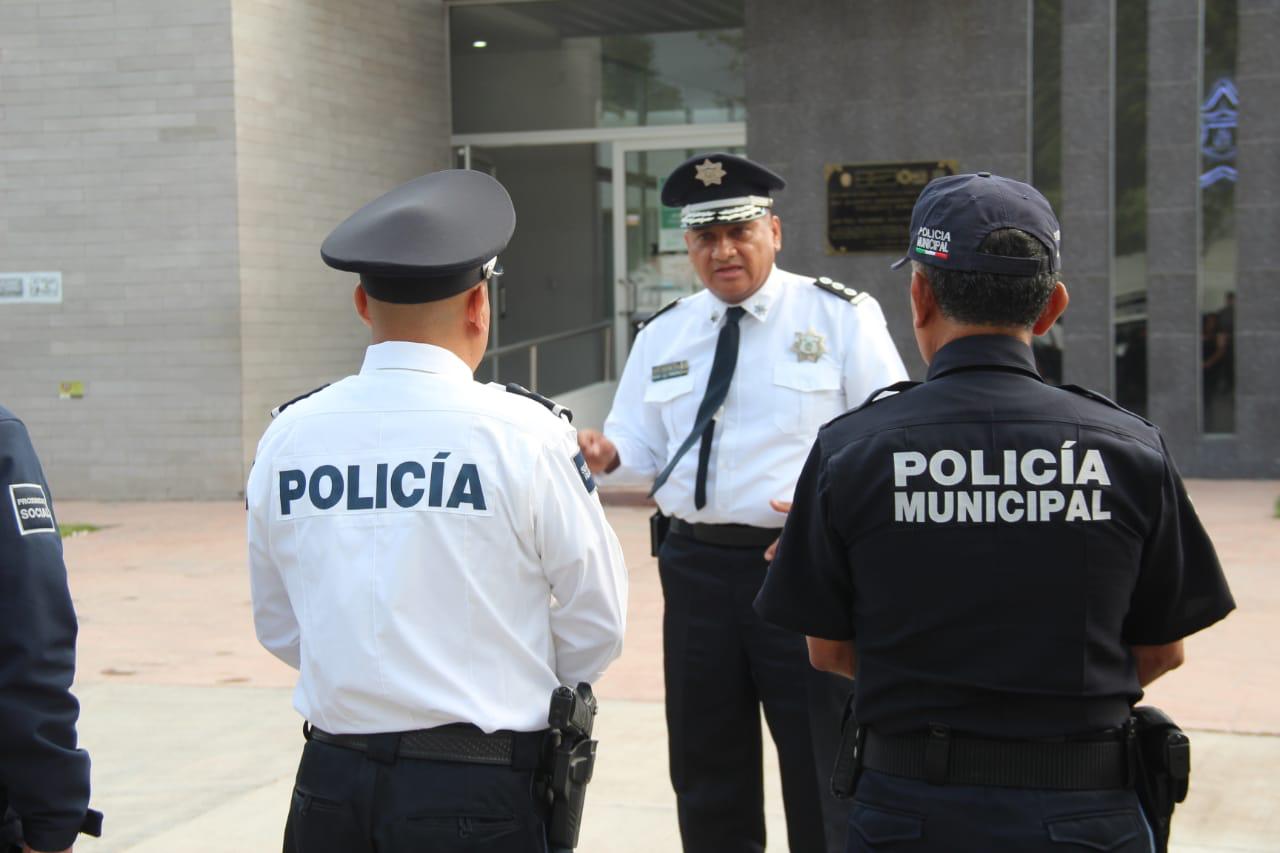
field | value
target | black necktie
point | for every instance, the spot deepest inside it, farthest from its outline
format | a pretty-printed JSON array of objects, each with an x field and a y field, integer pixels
[{"x": 704, "y": 425}]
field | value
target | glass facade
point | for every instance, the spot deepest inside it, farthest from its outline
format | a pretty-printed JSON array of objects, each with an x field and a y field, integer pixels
[
  {"x": 1218, "y": 111},
  {"x": 595, "y": 63},
  {"x": 1130, "y": 212},
  {"x": 1046, "y": 148}
]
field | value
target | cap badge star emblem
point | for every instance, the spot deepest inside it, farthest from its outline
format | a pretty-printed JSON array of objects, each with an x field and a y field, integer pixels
[
  {"x": 809, "y": 346},
  {"x": 709, "y": 173}
]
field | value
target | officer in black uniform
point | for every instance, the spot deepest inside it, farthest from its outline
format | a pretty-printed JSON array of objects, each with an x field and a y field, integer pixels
[
  {"x": 44, "y": 779},
  {"x": 1004, "y": 563}
]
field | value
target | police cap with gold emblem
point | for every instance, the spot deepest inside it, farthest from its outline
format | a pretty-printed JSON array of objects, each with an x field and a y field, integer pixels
[
  {"x": 429, "y": 239},
  {"x": 715, "y": 188}
]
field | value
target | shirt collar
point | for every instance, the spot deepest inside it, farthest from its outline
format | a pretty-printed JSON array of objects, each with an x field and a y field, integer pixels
[
  {"x": 977, "y": 351},
  {"x": 423, "y": 358},
  {"x": 757, "y": 304}
]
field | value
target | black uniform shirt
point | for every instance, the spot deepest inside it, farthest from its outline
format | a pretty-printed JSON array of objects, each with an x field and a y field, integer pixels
[
  {"x": 44, "y": 778},
  {"x": 993, "y": 545}
]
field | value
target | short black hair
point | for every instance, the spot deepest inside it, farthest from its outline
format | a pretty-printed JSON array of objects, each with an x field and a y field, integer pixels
[{"x": 988, "y": 299}]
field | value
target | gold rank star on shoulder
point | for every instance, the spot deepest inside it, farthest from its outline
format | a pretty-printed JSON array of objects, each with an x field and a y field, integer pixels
[
  {"x": 809, "y": 346},
  {"x": 709, "y": 172}
]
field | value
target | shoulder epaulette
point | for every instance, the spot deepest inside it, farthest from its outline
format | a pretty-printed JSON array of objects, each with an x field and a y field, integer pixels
[
  {"x": 1104, "y": 400},
  {"x": 889, "y": 390},
  {"x": 664, "y": 309},
  {"x": 275, "y": 413},
  {"x": 552, "y": 406},
  {"x": 844, "y": 291}
]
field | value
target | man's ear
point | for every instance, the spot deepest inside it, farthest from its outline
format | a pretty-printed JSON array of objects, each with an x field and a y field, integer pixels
[
  {"x": 361, "y": 300},
  {"x": 923, "y": 304},
  {"x": 478, "y": 307},
  {"x": 1058, "y": 301},
  {"x": 776, "y": 224}
]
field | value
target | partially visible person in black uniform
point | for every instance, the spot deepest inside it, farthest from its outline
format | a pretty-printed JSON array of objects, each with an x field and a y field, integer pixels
[
  {"x": 1004, "y": 563},
  {"x": 44, "y": 779}
]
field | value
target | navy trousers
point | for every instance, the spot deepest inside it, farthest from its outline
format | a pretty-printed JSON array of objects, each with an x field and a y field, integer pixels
[
  {"x": 905, "y": 815},
  {"x": 722, "y": 663},
  {"x": 344, "y": 802}
]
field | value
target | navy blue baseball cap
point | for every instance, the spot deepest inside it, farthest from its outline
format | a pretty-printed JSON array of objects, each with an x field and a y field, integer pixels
[
  {"x": 428, "y": 239},
  {"x": 954, "y": 214}
]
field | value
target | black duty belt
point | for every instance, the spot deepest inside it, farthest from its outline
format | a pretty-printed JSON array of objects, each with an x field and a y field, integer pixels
[
  {"x": 943, "y": 758},
  {"x": 458, "y": 742},
  {"x": 727, "y": 535}
]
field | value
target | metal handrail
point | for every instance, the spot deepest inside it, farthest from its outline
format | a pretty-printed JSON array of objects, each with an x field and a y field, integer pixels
[{"x": 532, "y": 345}]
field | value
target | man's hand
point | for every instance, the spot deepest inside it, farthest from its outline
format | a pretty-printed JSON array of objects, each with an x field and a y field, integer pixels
[
  {"x": 783, "y": 507},
  {"x": 838, "y": 656},
  {"x": 601, "y": 453},
  {"x": 1155, "y": 661}
]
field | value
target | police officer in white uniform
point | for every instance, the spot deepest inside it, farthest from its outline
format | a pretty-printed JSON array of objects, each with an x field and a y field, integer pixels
[
  {"x": 718, "y": 405},
  {"x": 429, "y": 552}
]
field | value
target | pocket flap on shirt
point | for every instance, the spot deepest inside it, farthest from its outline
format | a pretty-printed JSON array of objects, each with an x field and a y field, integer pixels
[
  {"x": 1099, "y": 831},
  {"x": 667, "y": 389},
  {"x": 806, "y": 376}
]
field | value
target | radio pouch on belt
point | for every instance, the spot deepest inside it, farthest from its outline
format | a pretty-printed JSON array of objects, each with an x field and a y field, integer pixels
[
  {"x": 1163, "y": 768},
  {"x": 10, "y": 829},
  {"x": 659, "y": 524},
  {"x": 848, "y": 767}
]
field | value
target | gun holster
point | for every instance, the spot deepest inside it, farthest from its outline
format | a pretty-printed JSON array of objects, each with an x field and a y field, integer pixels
[
  {"x": 571, "y": 757},
  {"x": 659, "y": 524},
  {"x": 1161, "y": 754}
]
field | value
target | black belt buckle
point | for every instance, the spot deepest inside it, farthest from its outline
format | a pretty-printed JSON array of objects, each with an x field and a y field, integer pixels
[{"x": 937, "y": 755}]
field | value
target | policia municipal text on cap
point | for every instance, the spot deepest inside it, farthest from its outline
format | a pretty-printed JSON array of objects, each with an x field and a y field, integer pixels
[
  {"x": 44, "y": 778},
  {"x": 1004, "y": 564},
  {"x": 720, "y": 399},
  {"x": 431, "y": 554}
]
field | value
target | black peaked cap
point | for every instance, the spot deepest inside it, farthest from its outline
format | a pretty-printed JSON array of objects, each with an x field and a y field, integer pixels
[
  {"x": 427, "y": 239},
  {"x": 710, "y": 177}
]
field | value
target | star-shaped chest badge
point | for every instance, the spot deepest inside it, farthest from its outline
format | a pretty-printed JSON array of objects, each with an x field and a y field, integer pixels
[
  {"x": 809, "y": 346},
  {"x": 709, "y": 173}
]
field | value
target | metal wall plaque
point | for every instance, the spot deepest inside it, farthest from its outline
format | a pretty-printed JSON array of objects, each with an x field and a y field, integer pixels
[
  {"x": 30, "y": 287},
  {"x": 869, "y": 204}
]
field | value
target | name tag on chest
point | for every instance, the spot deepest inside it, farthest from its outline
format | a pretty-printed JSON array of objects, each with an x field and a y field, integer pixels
[{"x": 670, "y": 370}]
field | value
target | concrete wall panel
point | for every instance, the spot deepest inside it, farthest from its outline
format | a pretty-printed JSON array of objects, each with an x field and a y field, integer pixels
[{"x": 117, "y": 168}]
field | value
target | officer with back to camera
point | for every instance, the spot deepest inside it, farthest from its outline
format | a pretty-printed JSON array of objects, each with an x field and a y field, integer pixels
[
  {"x": 1004, "y": 563},
  {"x": 44, "y": 778},
  {"x": 718, "y": 403},
  {"x": 429, "y": 552}
]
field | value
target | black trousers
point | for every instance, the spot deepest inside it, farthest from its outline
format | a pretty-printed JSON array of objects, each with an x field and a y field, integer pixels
[
  {"x": 344, "y": 802},
  {"x": 722, "y": 663},
  {"x": 908, "y": 816}
]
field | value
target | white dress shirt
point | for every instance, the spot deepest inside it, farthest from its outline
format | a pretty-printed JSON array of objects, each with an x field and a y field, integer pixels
[
  {"x": 426, "y": 550},
  {"x": 804, "y": 356}
]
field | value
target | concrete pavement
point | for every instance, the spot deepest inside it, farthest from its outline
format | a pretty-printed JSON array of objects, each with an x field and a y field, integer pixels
[{"x": 195, "y": 743}]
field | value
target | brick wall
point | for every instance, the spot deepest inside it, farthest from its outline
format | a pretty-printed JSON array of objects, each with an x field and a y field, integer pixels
[
  {"x": 336, "y": 102},
  {"x": 117, "y": 148}
]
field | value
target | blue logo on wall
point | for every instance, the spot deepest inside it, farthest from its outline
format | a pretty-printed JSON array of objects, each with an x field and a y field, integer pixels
[{"x": 1218, "y": 118}]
